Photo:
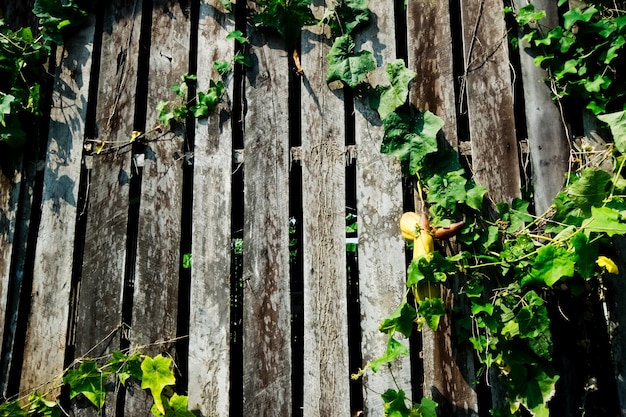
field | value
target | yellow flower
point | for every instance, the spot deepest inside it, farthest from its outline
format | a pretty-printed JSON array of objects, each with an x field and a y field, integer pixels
[{"x": 608, "y": 264}]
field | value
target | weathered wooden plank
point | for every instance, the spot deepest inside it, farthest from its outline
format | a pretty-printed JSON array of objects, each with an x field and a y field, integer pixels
[
  {"x": 547, "y": 140},
  {"x": 326, "y": 372},
  {"x": 430, "y": 56},
  {"x": 382, "y": 269},
  {"x": 155, "y": 297},
  {"x": 108, "y": 191},
  {"x": 48, "y": 320},
  {"x": 267, "y": 308},
  {"x": 10, "y": 185},
  {"x": 209, "y": 323},
  {"x": 488, "y": 85},
  {"x": 448, "y": 371}
]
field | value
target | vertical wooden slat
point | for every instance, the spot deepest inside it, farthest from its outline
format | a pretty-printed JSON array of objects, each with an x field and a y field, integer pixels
[
  {"x": 448, "y": 371},
  {"x": 488, "y": 85},
  {"x": 108, "y": 191},
  {"x": 430, "y": 55},
  {"x": 47, "y": 325},
  {"x": 382, "y": 282},
  {"x": 155, "y": 298},
  {"x": 547, "y": 141},
  {"x": 326, "y": 372},
  {"x": 209, "y": 324},
  {"x": 267, "y": 313},
  {"x": 10, "y": 185}
]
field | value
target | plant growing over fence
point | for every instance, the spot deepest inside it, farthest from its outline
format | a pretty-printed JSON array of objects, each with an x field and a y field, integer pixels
[
  {"x": 583, "y": 56},
  {"x": 91, "y": 379}
]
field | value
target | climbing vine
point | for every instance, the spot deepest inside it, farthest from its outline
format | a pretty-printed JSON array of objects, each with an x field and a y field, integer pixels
[{"x": 511, "y": 261}]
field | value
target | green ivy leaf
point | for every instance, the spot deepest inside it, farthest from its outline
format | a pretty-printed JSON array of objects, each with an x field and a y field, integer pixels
[
  {"x": 54, "y": 15},
  {"x": 395, "y": 95},
  {"x": 157, "y": 374},
  {"x": 176, "y": 406},
  {"x": 186, "y": 260},
  {"x": 41, "y": 407},
  {"x": 577, "y": 15},
  {"x": 346, "y": 65},
  {"x": 395, "y": 404},
  {"x": 125, "y": 367},
  {"x": 401, "y": 320},
  {"x": 238, "y": 36},
  {"x": 89, "y": 381},
  {"x": 11, "y": 409}
]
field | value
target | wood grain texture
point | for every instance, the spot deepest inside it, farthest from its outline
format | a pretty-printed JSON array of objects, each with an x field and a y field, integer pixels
[
  {"x": 155, "y": 298},
  {"x": 382, "y": 269},
  {"x": 326, "y": 373},
  {"x": 430, "y": 55},
  {"x": 104, "y": 257},
  {"x": 267, "y": 308},
  {"x": 209, "y": 323},
  {"x": 47, "y": 325},
  {"x": 547, "y": 140},
  {"x": 488, "y": 86}
]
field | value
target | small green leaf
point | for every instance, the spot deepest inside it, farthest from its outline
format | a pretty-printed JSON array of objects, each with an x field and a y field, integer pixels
[
  {"x": 432, "y": 309},
  {"x": 222, "y": 67},
  {"x": 238, "y": 36},
  {"x": 186, "y": 260},
  {"x": 402, "y": 320},
  {"x": 157, "y": 374},
  {"x": 394, "y": 350},
  {"x": 41, "y": 407},
  {"x": 5, "y": 106}
]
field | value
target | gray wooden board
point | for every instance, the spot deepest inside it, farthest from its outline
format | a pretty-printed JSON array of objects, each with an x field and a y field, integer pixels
[
  {"x": 448, "y": 372},
  {"x": 209, "y": 323},
  {"x": 99, "y": 311},
  {"x": 155, "y": 298},
  {"x": 326, "y": 372},
  {"x": 47, "y": 326},
  {"x": 10, "y": 186},
  {"x": 489, "y": 90},
  {"x": 382, "y": 269},
  {"x": 267, "y": 308},
  {"x": 547, "y": 140},
  {"x": 430, "y": 56}
]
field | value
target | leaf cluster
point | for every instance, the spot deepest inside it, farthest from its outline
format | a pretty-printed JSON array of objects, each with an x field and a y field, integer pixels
[
  {"x": 93, "y": 381},
  {"x": 287, "y": 17},
  {"x": 585, "y": 55}
]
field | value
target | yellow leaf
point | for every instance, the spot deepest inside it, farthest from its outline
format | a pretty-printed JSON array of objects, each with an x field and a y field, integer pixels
[
  {"x": 608, "y": 264},
  {"x": 135, "y": 135},
  {"x": 99, "y": 147}
]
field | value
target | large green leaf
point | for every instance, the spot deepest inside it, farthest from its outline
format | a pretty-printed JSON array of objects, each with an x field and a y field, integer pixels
[
  {"x": 89, "y": 381},
  {"x": 347, "y": 16},
  {"x": 394, "y": 350},
  {"x": 590, "y": 189},
  {"x": 604, "y": 220},
  {"x": 346, "y": 65},
  {"x": 287, "y": 17},
  {"x": 157, "y": 374},
  {"x": 447, "y": 189},
  {"x": 552, "y": 264},
  {"x": 617, "y": 124},
  {"x": 396, "y": 94}
]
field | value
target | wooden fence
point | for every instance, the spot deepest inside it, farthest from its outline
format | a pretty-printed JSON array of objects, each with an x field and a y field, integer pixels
[{"x": 92, "y": 240}]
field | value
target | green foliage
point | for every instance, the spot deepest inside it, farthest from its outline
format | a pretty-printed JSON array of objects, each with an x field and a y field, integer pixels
[
  {"x": 585, "y": 56},
  {"x": 347, "y": 16},
  {"x": 91, "y": 380},
  {"x": 287, "y": 17},
  {"x": 396, "y": 94},
  {"x": 55, "y": 16},
  {"x": 396, "y": 405},
  {"x": 347, "y": 65}
]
